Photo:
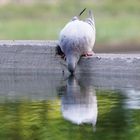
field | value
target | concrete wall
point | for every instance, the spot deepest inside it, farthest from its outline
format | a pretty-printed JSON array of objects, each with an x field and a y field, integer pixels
[
  {"x": 39, "y": 56},
  {"x": 31, "y": 69},
  {"x": 28, "y": 56}
]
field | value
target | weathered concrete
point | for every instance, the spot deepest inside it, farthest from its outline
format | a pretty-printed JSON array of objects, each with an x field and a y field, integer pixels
[
  {"x": 31, "y": 70},
  {"x": 39, "y": 56},
  {"x": 116, "y": 64},
  {"x": 28, "y": 56}
]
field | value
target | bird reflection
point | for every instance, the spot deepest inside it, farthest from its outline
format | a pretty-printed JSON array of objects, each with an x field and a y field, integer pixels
[{"x": 79, "y": 103}]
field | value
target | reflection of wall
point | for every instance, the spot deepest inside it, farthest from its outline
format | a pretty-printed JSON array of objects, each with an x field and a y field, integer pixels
[
  {"x": 33, "y": 85},
  {"x": 79, "y": 104}
]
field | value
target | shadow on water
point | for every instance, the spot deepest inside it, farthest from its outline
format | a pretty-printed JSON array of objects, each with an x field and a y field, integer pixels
[{"x": 50, "y": 107}]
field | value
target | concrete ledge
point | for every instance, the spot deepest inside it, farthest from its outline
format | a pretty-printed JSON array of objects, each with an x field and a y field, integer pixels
[
  {"x": 29, "y": 56},
  {"x": 116, "y": 64}
]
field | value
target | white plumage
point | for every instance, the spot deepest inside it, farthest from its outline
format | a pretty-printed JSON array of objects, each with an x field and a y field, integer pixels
[{"x": 77, "y": 38}]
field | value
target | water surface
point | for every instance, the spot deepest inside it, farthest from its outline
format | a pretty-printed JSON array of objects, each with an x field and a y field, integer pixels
[{"x": 53, "y": 107}]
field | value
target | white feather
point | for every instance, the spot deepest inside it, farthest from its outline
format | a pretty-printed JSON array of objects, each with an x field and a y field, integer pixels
[{"x": 78, "y": 36}]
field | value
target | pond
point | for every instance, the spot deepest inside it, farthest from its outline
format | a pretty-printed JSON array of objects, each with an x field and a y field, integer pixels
[{"x": 57, "y": 107}]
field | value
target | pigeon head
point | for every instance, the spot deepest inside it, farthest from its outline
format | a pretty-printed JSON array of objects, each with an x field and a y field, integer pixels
[{"x": 72, "y": 60}]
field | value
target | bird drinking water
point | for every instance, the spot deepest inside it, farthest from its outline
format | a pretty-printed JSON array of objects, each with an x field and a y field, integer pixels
[{"x": 77, "y": 39}]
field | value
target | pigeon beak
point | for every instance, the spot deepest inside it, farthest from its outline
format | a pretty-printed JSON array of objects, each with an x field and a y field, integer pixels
[{"x": 72, "y": 63}]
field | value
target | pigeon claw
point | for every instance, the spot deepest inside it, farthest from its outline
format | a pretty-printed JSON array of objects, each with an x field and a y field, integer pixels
[{"x": 88, "y": 54}]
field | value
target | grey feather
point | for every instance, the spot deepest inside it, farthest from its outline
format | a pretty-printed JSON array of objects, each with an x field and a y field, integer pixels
[{"x": 77, "y": 38}]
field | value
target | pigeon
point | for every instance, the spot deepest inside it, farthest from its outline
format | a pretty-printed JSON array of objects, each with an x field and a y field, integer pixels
[{"x": 77, "y": 39}]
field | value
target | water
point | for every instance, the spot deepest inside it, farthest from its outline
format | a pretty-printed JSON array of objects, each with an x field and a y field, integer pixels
[{"x": 53, "y": 107}]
